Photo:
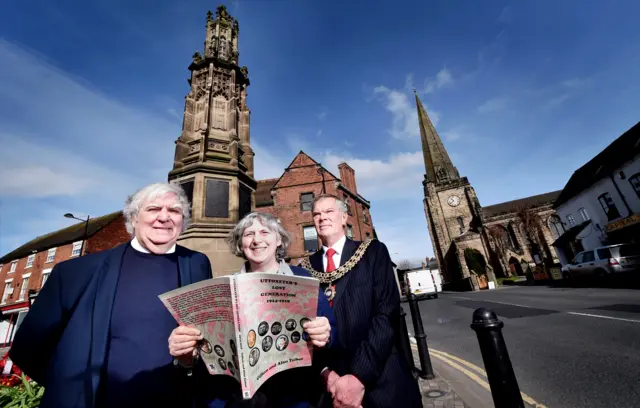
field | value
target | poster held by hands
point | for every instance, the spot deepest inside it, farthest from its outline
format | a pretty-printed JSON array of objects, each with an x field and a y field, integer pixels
[{"x": 251, "y": 323}]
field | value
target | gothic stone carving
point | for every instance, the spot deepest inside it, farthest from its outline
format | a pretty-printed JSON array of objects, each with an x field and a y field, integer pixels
[{"x": 219, "y": 146}]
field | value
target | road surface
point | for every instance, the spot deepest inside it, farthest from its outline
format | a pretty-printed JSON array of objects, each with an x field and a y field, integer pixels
[{"x": 570, "y": 347}]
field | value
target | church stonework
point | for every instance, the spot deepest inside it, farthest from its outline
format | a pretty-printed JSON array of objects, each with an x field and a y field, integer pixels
[
  {"x": 511, "y": 237},
  {"x": 213, "y": 159},
  {"x": 454, "y": 215}
]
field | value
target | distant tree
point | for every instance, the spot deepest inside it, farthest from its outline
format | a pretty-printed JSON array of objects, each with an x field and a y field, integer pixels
[
  {"x": 404, "y": 265},
  {"x": 532, "y": 227}
]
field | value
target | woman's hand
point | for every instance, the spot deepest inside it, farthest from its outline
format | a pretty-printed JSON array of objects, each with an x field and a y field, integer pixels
[
  {"x": 183, "y": 342},
  {"x": 319, "y": 331}
]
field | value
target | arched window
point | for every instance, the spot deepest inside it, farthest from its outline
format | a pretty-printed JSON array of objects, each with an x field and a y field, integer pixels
[
  {"x": 223, "y": 47},
  {"x": 513, "y": 236},
  {"x": 461, "y": 224},
  {"x": 555, "y": 225}
]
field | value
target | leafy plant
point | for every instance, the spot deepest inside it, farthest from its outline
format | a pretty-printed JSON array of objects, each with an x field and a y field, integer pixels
[{"x": 26, "y": 395}]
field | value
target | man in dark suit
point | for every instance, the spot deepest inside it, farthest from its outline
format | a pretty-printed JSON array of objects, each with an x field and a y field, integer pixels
[
  {"x": 97, "y": 334},
  {"x": 367, "y": 370}
]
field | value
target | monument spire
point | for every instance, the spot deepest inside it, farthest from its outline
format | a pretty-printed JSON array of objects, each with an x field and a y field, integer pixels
[
  {"x": 438, "y": 165},
  {"x": 213, "y": 159}
]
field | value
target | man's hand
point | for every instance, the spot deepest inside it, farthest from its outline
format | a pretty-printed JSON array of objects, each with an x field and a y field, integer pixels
[
  {"x": 347, "y": 392},
  {"x": 330, "y": 377},
  {"x": 182, "y": 343},
  {"x": 319, "y": 331}
]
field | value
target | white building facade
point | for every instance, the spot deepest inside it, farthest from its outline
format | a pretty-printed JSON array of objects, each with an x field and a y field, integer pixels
[{"x": 600, "y": 205}]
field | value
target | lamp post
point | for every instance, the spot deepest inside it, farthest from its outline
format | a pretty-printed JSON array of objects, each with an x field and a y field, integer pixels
[{"x": 86, "y": 229}]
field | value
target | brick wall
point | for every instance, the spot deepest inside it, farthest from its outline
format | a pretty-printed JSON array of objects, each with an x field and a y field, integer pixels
[
  {"x": 302, "y": 177},
  {"x": 109, "y": 237}
]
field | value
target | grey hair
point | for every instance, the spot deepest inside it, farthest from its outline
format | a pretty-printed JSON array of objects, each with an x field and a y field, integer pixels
[
  {"x": 268, "y": 221},
  {"x": 342, "y": 206},
  {"x": 135, "y": 201}
]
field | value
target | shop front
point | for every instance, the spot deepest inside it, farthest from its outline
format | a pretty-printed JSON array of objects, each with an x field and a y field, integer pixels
[
  {"x": 624, "y": 231},
  {"x": 10, "y": 319}
]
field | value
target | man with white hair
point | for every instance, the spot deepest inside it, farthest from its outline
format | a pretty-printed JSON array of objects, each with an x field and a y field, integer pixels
[{"x": 97, "y": 334}]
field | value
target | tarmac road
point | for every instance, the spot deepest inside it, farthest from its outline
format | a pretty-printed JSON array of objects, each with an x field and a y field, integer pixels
[{"x": 570, "y": 347}]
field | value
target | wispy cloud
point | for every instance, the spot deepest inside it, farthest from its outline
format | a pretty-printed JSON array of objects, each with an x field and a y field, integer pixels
[
  {"x": 403, "y": 112},
  {"x": 493, "y": 105},
  {"x": 382, "y": 179},
  {"x": 556, "y": 101},
  {"x": 322, "y": 115},
  {"x": 442, "y": 79},
  {"x": 63, "y": 139}
]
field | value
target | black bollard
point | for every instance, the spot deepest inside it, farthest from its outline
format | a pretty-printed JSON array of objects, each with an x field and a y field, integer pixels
[
  {"x": 421, "y": 338},
  {"x": 404, "y": 343},
  {"x": 502, "y": 379}
]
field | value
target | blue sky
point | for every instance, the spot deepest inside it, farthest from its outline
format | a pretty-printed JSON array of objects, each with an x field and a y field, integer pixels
[{"x": 522, "y": 93}]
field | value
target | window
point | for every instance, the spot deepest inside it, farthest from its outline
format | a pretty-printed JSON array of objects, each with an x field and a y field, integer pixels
[
  {"x": 7, "y": 290},
  {"x": 588, "y": 257},
  {"x": 30, "y": 260},
  {"x": 571, "y": 220},
  {"x": 461, "y": 224},
  {"x": 45, "y": 276},
  {"x": 635, "y": 183},
  {"x": 583, "y": 214},
  {"x": 310, "y": 239},
  {"x": 51, "y": 254},
  {"x": 556, "y": 225},
  {"x": 77, "y": 247},
  {"x": 346, "y": 202},
  {"x": 25, "y": 286},
  {"x": 349, "y": 231},
  {"x": 368, "y": 235},
  {"x": 608, "y": 206},
  {"x": 14, "y": 264},
  {"x": 513, "y": 236},
  {"x": 306, "y": 201},
  {"x": 365, "y": 217},
  {"x": 604, "y": 253}
]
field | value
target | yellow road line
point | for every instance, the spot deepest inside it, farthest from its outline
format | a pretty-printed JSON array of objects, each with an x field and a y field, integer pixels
[{"x": 451, "y": 360}]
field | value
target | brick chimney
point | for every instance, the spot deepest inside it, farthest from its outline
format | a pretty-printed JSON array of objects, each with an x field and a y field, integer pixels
[{"x": 348, "y": 176}]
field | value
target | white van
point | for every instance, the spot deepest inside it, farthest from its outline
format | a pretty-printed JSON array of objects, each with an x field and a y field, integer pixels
[{"x": 424, "y": 283}]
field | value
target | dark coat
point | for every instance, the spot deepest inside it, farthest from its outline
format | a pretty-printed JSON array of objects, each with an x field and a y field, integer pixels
[
  {"x": 293, "y": 388},
  {"x": 367, "y": 306},
  {"x": 62, "y": 342}
]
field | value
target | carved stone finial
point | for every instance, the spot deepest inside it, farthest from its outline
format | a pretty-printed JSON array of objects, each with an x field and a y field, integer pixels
[
  {"x": 197, "y": 57},
  {"x": 209, "y": 16},
  {"x": 221, "y": 13},
  {"x": 245, "y": 71},
  {"x": 236, "y": 27}
]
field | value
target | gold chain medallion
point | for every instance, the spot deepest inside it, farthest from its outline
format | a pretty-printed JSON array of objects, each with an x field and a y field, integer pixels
[{"x": 328, "y": 277}]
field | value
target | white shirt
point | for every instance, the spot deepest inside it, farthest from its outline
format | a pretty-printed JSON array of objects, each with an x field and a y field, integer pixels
[
  {"x": 138, "y": 247},
  {"x": 338, "y": 247}
]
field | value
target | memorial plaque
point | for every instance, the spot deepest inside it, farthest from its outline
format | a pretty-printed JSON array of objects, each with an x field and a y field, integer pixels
[
  {"x": 244, "y": 206},
  {"x": 217, "y": 199},
  {"x": 187, "y": 186}
]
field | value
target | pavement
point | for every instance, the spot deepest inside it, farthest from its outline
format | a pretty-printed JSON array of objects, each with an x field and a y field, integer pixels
[{"x": 569, "y": 346}]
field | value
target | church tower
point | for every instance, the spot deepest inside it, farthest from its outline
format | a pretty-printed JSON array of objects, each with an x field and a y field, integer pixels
[
  {"x": 213, "y": 159},
  {"x": 453, "y": 212}
]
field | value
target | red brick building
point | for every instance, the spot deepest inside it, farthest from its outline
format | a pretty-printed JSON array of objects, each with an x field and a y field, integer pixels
[
  {"x": 26, "y": 269},
  {"x": 289, "y": 198}
]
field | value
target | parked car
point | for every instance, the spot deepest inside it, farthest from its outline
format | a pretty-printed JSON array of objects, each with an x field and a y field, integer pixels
[{"x": 604, "y": 261}]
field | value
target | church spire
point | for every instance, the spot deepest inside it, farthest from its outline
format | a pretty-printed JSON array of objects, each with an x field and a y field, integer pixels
[{"x": 438, "y": 165}]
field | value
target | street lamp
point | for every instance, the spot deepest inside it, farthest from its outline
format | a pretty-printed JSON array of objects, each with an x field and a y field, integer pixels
[{"x": 86, "y": 229}]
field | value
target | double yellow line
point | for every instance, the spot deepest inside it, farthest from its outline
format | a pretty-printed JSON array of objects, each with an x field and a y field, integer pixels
[{"x": 474, "y": 372}]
